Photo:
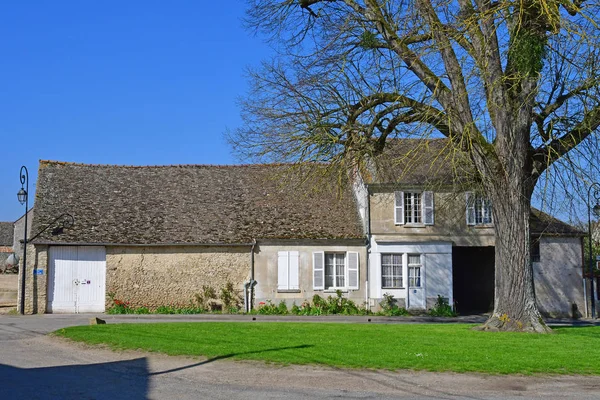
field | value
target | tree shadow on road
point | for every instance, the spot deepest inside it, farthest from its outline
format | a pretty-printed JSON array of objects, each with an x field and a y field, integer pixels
[
  {"x": 129, "y": 379},
  {"x": 113, "y": 380}
]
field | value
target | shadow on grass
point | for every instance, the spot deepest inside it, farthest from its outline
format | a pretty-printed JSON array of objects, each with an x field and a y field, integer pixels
[{"x": 230, "y": 355}]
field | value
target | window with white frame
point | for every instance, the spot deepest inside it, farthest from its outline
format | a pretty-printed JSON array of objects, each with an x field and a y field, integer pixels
[
  {"x": 414, "y": 208},
  {"x": 391, "y": 271},
  {"x": 479, "y": 210},
  {"x": 414, "y": 270},
  {"x": 335, "y": 270}
]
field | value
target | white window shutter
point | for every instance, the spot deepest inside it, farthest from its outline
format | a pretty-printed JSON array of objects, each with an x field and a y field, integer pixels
[
  {"x": 283, "y": 270},
  {"x": 399, "y": 208},
  {"x": 470, "y": 208},
  {"x": 318, "y": 270},
  {"x": 428, "y": 208},
  {"x": 352, "y": 270},
  {"x": 294, "y": 283}
]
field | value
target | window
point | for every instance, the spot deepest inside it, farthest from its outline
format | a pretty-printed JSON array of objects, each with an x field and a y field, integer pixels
[
  {"x": 335, "y": 270},
  {"x": 535, "y": 250},
  {"x": 414, "y": 270},
  {"x": 287, "y": 271},
  {"x": 391, "y": 271},
  {"x": 479, "y": 210},
  {"x": 414, "y": 208}
]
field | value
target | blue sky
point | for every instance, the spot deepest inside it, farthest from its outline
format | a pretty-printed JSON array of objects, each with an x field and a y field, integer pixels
[{"x": 134, "y": 82}]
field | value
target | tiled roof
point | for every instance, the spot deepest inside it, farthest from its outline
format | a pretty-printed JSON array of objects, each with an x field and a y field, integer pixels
[
  {"x": 193, "y": 203},
  {"x": 6, "y": 233},
  {"x": 429, "y": 162},
  {"x": 541, "y": 223}
]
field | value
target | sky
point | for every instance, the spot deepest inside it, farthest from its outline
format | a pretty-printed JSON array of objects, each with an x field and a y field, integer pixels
[{"x": 119, "y": 82}]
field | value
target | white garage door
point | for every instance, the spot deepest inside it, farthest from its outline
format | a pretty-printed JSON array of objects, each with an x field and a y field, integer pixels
[{"x": 76, "y": 279}]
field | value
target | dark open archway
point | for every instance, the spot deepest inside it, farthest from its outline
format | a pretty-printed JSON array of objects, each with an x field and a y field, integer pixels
[{"x": 473, "y": 279}]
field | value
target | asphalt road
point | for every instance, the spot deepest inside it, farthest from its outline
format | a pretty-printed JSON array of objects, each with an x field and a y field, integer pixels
[{"x": 35, "y": 366}]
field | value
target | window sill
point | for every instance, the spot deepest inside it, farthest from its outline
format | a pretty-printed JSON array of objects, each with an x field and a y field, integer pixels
[
  {"x": 414, "y": 225},
  {"x": 343, "y": 290},
  {"x": 289, "y": 291},
  {"x": 394, "y": 288},
  {"x": 482, "y": 226}
]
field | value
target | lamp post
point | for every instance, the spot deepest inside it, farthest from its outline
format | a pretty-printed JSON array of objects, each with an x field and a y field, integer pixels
[
  {"x": 596, "y": 211},
  {"x": 23, "y": 196}
]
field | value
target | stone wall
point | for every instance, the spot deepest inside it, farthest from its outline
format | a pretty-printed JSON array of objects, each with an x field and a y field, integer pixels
[
  {"x": 558, "y": 276},
  {"x": 35, "y": 285},
  {"x": 161, "y": 275}
]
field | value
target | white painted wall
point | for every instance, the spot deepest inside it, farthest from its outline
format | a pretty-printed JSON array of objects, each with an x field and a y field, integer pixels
[{"x": 437, "y": 264}]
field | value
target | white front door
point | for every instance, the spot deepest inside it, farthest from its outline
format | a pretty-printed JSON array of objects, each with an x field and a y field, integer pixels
[
  {"x": 77, "y": 279},
  {"x": 416, "y": 284}
]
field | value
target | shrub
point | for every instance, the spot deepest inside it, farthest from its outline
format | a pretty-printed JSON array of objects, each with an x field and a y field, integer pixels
[
  {"x": 118, "y": 306},
  {"x": 268, "y": 308},
  {"x": 389, "y": 307},
  {"x": 442, "y": 308},
  {"x": 206, "y": 298},
  {"x": 282, "y": 308},
  {"x": 172, "y": 309},
  {"x": 141, "y": 310},
  {"x": 229, "y": 297}
]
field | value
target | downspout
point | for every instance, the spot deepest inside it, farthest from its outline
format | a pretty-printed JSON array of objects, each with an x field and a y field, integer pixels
[{"x": 249, "y": 286}]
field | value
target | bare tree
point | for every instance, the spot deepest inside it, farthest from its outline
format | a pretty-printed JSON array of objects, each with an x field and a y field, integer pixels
[{"x": 513, "y": 85}]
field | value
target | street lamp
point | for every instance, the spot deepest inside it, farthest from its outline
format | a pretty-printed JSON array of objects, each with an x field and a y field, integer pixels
[
  {"x": 596, "y": 211},
  {"x": 23, "y": 196}
]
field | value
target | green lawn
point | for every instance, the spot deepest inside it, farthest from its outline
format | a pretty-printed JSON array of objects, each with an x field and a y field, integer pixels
[{"x": 433, "y": 347}]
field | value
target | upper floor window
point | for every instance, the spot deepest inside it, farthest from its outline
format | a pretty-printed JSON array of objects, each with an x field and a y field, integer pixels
[
  {"x": 413, "y": 207},
  {"x": 479, "y": 210}
]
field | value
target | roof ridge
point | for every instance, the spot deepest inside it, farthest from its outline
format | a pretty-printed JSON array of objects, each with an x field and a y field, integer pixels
[{"x": 224, "y": 166}]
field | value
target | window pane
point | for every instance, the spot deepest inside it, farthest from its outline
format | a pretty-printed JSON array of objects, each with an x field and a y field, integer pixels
[
  {"x": 414, "y": 259},
  {"x": 340, "y": 270},
  {"x": 414, "y": 276},
  {"x": 329, "y": 264},
  {"x": 408, "y": 209},
  {"x": 417, "y": 208}
]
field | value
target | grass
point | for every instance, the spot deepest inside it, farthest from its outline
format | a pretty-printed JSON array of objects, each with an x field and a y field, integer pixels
[{"x": 432, "y": 347}]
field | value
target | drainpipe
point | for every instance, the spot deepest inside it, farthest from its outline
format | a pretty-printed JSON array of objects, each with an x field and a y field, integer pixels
[{"x": 249, "y": 286}]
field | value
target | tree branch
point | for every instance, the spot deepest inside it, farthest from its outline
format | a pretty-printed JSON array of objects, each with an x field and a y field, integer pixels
[{"x": 546, "y": 155}]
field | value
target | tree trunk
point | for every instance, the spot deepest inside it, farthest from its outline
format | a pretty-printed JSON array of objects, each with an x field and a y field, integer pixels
[{"x": 515, "y": 307}]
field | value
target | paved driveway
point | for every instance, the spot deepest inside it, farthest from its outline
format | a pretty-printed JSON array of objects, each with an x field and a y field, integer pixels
[{"x": 35, "y": 366}]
